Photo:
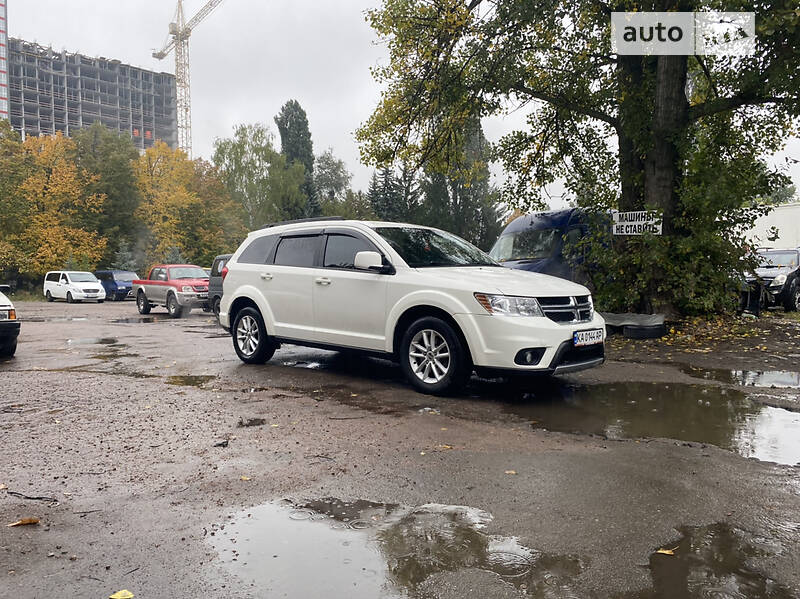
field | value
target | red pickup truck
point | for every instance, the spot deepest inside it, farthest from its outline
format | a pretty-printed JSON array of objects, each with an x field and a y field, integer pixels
[{"x": 177, "y": 287}]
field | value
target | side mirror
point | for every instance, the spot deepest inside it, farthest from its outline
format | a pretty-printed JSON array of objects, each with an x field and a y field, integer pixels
[{"x": 368, "y": 261}]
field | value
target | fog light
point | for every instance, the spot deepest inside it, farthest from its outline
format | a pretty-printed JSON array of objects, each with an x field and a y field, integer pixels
[{"x": 529, "y": 357}]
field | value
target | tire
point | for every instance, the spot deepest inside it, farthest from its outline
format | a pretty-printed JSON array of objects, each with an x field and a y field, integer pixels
[
  {"x": 215, "y": 307},
  {"x": 173, "y": 307},
  {"x": 100, "y": 301},
  {"x": 69, "y": 298},
  {"x": 142, "y": 304},
  {"x": 792, "y": 302},
  {"x": 250, "y": 339},
  {"x": 49, "y": 296},
  {"x": 653, "y": 331},
  {"x": 428, "y": 365},
  {"x": 7, "y": 350}
]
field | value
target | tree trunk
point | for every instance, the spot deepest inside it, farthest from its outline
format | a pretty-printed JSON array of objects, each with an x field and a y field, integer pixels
[{"x": 631, "y": 167}]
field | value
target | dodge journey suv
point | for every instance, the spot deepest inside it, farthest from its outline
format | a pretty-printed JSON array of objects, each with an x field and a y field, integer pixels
[{"x": 424, "y": 297}]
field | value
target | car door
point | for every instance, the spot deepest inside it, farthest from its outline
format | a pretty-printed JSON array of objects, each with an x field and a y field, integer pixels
[
  {"x": 287, "y": 284},
  {"x": 62, "y": 286},
  {"x": 156, "y": 289},
  {"x": 349, "y": 304}
]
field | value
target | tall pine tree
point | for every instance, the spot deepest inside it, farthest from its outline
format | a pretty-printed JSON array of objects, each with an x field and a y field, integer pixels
[{"x": 297, "y": 146}]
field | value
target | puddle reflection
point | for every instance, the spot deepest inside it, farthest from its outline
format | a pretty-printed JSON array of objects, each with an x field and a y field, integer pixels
[{"x": 781, "y": 379}]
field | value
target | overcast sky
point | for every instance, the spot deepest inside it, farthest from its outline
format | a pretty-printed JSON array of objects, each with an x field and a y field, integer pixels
[{"x": 247, "y": 58}]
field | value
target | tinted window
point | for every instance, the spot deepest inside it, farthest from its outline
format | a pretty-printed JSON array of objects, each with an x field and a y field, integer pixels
[
  {"x": 53, "y": 276},
  {"x": 297, "y": 251},
  {"x": 340, "y": 252},
  {"x": 217, "y": 267},
  {"x": 258, "y": 251}
]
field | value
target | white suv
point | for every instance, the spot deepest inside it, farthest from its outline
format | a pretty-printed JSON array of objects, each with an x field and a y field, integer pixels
[{"x": 424, "y": 297}]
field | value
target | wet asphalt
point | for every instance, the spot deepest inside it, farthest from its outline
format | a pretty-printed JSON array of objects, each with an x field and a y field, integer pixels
[{"x": 157, "y": 462}]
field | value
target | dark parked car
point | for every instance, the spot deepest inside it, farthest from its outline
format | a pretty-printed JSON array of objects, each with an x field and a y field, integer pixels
[
  {"x": 536, "y": 242},
  {"x": 778, "y": 274},
  {"x": 117, "y": 283},
  {"x": 215, "y": 282}
]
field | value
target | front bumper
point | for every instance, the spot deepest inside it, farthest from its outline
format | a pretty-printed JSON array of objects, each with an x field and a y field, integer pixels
[
  {"x": 495, "y": 341},
  {"x": 192, "y": 300},
  {"x": 9, "y": 330},
  {"x": 82, "y": 295}
]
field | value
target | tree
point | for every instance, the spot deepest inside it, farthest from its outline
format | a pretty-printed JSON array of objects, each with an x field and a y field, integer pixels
[
  {"x": 125, "y": 258},
  {"x": 331, "y": 178},
  {"x": 386, "y": 196},
  {"x": 782, "y": 195},
  {"x": 296, "y": 146},
  {"x": 258, "y": 177},
  {"x": 60, "y": 209},
  {"x": 110, "y": 156},
  {"x": 619, "y": 130}
]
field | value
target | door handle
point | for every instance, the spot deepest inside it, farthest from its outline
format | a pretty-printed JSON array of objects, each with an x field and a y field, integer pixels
[
  {"x": 323, "y": 281},
  {"x": 266, "y": 276}
]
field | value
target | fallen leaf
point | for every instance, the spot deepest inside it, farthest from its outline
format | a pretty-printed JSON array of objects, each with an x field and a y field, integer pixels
[
  {"x": 123, "y": 594},
  {"x": 244, "y": 478},
  {"x": 421, "y": 453},
  {"x": 511, "y": 471},
  {"x": 275, "y": 425},
  {"x": 3, "y": 487},
  {"x": 354, "y": 395},
  {"x": 444, "y": 428},
  {"x": 444, "y": 447},
  {"x": 24, "y": 522},
  {"x": 667, "y": 551}
]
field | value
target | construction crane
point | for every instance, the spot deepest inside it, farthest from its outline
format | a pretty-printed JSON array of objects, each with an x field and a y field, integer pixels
[{"x": 178, "y": 40}]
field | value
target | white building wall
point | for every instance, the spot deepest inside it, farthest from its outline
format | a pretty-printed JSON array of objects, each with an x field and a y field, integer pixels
[
  {"x": 3, "y": 60},
  {"x": 786, "y": 219}
]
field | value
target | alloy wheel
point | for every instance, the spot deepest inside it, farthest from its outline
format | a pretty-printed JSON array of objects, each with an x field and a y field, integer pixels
[
  {"x": 429, "y": 356},
  {"x": 247, "y": 335}
]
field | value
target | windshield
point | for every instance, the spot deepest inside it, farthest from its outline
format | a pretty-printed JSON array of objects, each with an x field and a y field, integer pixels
[
  {"x": 82, "y": 277},
  {"x": 187, "y": 272},
  {"x": 125, "y": 276},
  {"x": 777, "y": 259},
  {"x": 530, "y": 244},
  {"x": 422, "y": 248}
]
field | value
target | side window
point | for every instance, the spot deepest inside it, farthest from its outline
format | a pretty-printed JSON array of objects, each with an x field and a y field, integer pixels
[
  {"x": 297, "y": 251},
  {"x": 573, "y": 236},
  {"x": 53, "y": 277},
  {"x": 340, "y": 251},
  {"x": 258, "y": 252},
  {"x": 156, "y": 274},
  {"x": 64, "y": 278}
]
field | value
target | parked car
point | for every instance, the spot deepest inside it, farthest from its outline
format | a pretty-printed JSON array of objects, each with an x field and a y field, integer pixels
[
  {"x": 422, "y": 296},
  {"x": 118, "y": 284},
  {"x": 72, "y": 286},
  {"x": 177, "y": 287},
  {"x": 215, "y": 282},
  {"x": 536, "y": 242},
  {"x": 778, "y": 276},
  {"x": 9, "y": 324}
]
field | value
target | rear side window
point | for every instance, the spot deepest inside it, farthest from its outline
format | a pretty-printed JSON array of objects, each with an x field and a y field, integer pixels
[
  {"x": 340, "y": 251},
  {"x": 258, "y": 252},
  {"x": 53, "y": 276},
  {"x": 297, "y": 251},
  {"x": 216, "y": 268}
]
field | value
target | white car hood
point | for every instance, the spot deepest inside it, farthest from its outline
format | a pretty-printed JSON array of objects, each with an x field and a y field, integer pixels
[
  {"x": 507, "y": 281},
  {"x": 4, "y": 301},
  {"x": 89, "y": 285}
]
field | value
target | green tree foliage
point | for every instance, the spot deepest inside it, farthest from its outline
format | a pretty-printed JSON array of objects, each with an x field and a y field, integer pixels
[
  {"x": 385, "y": 196},
  {"x": 109, "y": 156},
  {"x": 125, "y": 258},
  {"x": 296, "y": 146},
  {"x": 258, "y": 177},
  {"x": 782, "y": 195},
  {"x": 331, "y": 177},
  {"x": 619, "y": 130}
]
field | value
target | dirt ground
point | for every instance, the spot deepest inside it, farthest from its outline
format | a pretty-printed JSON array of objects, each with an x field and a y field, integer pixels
[{"x": 156, "y": 462}]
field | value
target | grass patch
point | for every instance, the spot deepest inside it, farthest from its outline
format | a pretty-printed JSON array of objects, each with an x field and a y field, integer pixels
[{"x": 27, "y": 296}]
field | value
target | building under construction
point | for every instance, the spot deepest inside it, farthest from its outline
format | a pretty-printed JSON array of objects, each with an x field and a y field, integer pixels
[{"x": 51, "y": 91}]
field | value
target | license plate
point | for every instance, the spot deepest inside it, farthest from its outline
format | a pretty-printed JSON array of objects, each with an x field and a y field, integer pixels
[
  {"x": 202, "y": 295},
  {"x": 590, "y": 337}
]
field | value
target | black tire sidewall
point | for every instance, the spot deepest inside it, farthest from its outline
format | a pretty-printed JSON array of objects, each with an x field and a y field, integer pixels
[
  {"x": 178, "y": 312},
  {"x": 70, "y": 299},
  {"x": 790, "y": 305},
  {"x": 266, "y": 346},
  {"x": 459, "y": 370},
  {"x": 215, "y": 307},
  {"x": 49, "y": 296},
  {"x": 142, "y": 305}
]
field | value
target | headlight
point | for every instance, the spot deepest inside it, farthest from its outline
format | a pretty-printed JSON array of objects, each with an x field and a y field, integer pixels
[
  {"x": 779, "y": 280},
  {"x": 187, "y": 289},
  {"x": 509, "y": 305}
]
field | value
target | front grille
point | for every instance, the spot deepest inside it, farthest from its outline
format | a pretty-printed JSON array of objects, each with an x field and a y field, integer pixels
[
  {"x": 91, "y": 291},
  {"x": 201, "y": 288},
  {"x": 567, "y": 309}
]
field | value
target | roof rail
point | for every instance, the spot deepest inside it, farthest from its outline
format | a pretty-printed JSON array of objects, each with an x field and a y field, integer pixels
[{"x": 302, "y": 220}]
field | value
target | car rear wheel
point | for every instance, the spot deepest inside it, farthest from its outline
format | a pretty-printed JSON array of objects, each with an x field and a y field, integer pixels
[
  {"x": 250, "y": 339},
  {"x": 142, "y": 304},
  {"x": 792, "y": 298},
  {"x": 433, "y": 357},
  {"x": 49, "y": 296},
  {"x": 173, "y": 307},
  {"x": 215, "y": 307}
]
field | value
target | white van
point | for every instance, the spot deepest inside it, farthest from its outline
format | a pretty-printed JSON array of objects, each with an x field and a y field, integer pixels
[{"x": 73, "y": 286}]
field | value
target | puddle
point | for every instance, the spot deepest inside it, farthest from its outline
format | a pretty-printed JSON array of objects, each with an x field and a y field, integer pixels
[
  {"x": 699, "y": 413},
  {"x": 710, "y": 562},
  {"x": 780, "y": 379},
  {"x": 362, "y": 549},
  {"x": 113, "y": 354},
  {"x": 190, "y": 380},
  {"x": 138, "y": 319},
  {"x": 302, "y": 364},
  {"x": 93, "y": 341},
  {"x": 54, "y": 319},
  {"x": 244, "y": 422}
]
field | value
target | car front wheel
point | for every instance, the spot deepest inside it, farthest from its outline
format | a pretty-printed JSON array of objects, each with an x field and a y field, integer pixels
[
  {"x": 250, "y": 339},
  {"x": 792, "y": 303},
  {"x": 49, "y": 296},
  {"x": 433, "y": 357},
  {"x": 173, "y": 307},
  {"x": 142, "y": 304}
]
